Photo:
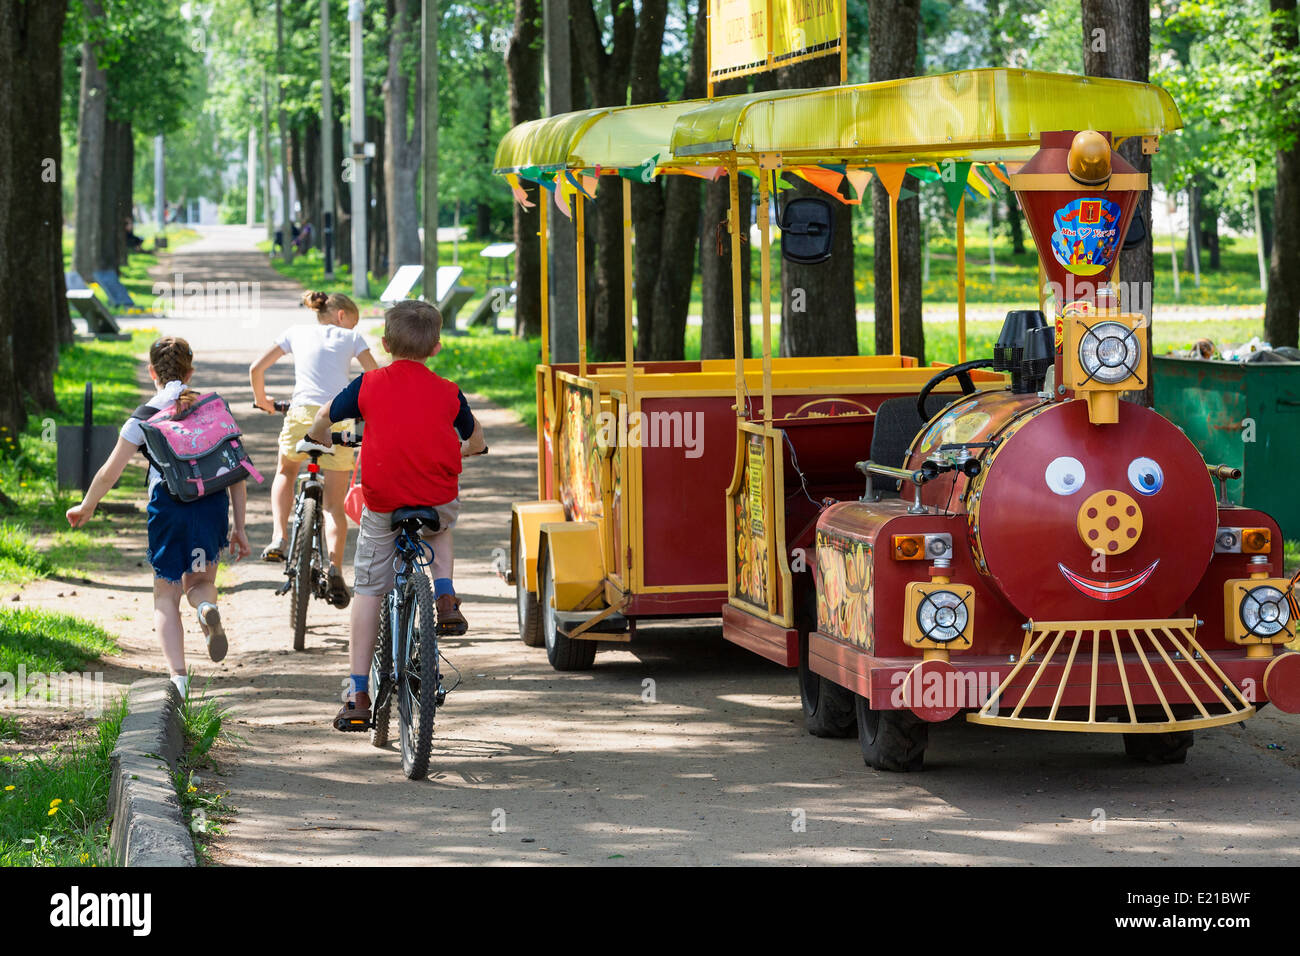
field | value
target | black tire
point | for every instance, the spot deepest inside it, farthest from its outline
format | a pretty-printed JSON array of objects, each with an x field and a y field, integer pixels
[
  {"x": 828, "y": 709},
  {"x": 891, "y": 739},
  {"x": 1168, "y": 747},
  {"x": 563, "y": 653},
  {"x": 526, "y": 605},
  {"x": 381, "y": 680},
  {"x": 417, "y": 680},
  {"x": 300, "y": 595}
]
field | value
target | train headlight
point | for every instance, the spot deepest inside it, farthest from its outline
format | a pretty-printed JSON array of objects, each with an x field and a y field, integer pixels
[
  {"x": 1109, "y": 352},
  {"x": 1103, "y": 358},
  {"x": 1264, "y": 611},
  {"x": 1257, "y": 614},
  {"x": 939, "y": 614},
  {"x": 942, "y": 616}
]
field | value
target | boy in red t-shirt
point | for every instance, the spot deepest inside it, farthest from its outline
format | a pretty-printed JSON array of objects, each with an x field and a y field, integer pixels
[{"x": 417, "y": 428}]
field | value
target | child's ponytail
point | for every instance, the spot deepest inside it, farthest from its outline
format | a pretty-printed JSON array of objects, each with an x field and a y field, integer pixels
[
  {"x": 173, "y": 361},
  {"x": 328, "y": 305}
]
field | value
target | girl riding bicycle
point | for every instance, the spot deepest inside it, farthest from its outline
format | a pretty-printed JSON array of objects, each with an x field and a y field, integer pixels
[{"x": 323, "y": 354}]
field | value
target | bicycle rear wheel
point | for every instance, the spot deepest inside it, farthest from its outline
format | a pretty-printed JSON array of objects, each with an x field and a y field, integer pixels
[
  {"x": 301, "y": 557},
  {"x": 381, "y": 679},
  {"x": 417, "y": 677}
]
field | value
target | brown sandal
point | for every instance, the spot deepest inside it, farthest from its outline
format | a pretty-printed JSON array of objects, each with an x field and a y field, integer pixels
[{"x": 354, "y": 716}]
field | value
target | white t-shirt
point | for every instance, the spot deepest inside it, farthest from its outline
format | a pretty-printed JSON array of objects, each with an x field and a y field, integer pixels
[
  {"x": 322, "y": 360},
  {"x": 132, "y": 432}
]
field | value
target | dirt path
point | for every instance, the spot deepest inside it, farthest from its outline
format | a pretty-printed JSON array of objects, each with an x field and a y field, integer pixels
[{"x": 532, "y": 766}]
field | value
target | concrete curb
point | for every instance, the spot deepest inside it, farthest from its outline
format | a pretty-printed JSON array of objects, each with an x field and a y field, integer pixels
[{"x": 148, "y": 828}]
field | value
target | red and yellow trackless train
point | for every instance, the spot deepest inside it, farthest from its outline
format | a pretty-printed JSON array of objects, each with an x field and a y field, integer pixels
[{"x": 1004, "y": 540}]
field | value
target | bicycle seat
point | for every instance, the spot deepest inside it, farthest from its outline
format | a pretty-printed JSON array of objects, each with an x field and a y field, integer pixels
[
  {"x": 306, "y": 446},
  {"x": 413, "y": 518}
]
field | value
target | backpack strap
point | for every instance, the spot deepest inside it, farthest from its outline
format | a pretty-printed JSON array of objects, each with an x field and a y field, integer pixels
[{"x": 145, "y": 412}]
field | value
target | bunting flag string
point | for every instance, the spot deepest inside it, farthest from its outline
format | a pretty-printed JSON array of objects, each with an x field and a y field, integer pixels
[{"x": 517, "y": 190}]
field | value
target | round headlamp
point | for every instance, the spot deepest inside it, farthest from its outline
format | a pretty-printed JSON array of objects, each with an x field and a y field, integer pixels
[
  {"x": 942, "y": 616},
  {"x": 1109, "y": 352},
  {"x": 1264, "y": 611}
]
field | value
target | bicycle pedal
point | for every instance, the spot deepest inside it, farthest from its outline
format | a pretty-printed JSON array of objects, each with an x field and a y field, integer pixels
[
  {"x": 351, "y": 724},
  {"x": 284, "y": 588}
]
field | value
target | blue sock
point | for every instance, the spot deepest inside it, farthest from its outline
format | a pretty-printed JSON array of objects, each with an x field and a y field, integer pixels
[
  {"x": 442, "y": 586},
  {"x": 361, "y": 683}
]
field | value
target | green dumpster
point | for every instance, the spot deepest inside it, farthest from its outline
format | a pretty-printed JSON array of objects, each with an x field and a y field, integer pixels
[{"x": 1245, "y": 414}]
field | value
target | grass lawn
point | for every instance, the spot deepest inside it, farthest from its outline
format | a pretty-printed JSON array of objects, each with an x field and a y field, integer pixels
[
  {"x": 32, "y": 504},
  {"x": 49, "y": 642},
  {"x": 54, "y": 807}
]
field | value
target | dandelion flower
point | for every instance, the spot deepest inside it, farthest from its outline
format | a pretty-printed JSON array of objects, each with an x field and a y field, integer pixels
[
  {"x": 85, "y": 858},
  {"x": 53, "y": 810},
  {"x": 55, "y": 802},
  {"x": 10, "y": 787}
]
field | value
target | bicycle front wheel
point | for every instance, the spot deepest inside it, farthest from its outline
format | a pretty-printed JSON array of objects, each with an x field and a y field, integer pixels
[
  {"x": 301, "y": 558},
  {"x": 417, "y": 678}
]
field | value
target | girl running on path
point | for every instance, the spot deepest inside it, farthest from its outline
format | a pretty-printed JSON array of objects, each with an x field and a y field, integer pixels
[
  {"x": 322, "y": 360},
  {"x": 185, "y": 538}
]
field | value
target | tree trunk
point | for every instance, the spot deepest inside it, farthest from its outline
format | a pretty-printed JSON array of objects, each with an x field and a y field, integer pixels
[
  {"x": 661, "y": 329},
  {"x": 1117, "y": 43},
  {"x": 377, "y": 186},
  {"x": 523, "y": 74},
  {"x": 91, "y": 129},
  {"x": 608, "y": 73},
  {"x": 1282, "y": 307},
  {"x": 403, "y": 135},
  {"x": 35, "y": 315},
  {"x": 1017, "y": 226},
  {"x": 892, "y": 29},
  {"x": 342, "y": 192}
]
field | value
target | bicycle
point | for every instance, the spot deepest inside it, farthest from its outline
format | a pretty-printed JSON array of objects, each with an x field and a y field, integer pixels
[
  {"x": 405, "y": 662},
  {"x": 307, "y": 562}
]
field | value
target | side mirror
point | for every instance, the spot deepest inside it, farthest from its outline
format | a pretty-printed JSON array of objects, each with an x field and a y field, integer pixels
[{"x": 806, "y": 230}]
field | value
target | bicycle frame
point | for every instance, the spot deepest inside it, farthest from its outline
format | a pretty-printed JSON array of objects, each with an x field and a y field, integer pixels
[{"x": 410, "y": 552}]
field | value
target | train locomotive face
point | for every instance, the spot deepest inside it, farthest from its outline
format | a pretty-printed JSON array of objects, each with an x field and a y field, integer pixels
[{"x": 1096, "y": 522}]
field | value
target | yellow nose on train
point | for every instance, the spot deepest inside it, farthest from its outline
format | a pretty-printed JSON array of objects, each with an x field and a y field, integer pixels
[{"x": 1109, "y": 522}]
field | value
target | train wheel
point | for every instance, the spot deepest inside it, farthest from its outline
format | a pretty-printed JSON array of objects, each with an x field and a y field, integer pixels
[
  {"x": 828, "y": 709},
  {"x": 563, "y": 653},
  {"x": 526, "y": 603},
  {"x": 891, "y": 739},
  {"x": 1170, "y": 747}
]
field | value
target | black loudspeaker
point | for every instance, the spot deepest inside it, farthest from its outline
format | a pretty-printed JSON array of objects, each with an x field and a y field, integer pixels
[
  {"x": 806, "y": 230},
  {"x": 1137, "y": 229}
]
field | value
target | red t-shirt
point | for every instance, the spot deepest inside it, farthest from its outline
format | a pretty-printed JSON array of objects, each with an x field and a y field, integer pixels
[{"x": 410, "y": 447}]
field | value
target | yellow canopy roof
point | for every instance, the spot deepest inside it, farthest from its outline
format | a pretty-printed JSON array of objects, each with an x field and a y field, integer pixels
[
  {"x": 613, "y": 136},
  {"x": 981, "y": 115},
  {"x": 971, "y": 114}
]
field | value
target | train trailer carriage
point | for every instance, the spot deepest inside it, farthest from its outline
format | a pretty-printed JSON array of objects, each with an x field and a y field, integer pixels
[{"x": 1005, "y": 540}]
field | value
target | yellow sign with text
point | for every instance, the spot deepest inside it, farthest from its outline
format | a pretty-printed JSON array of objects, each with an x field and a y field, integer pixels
[
  {"x": 803, "y": 27},
  {"x": 750, "y": 36},
  {"x": 738, "y": 36}
]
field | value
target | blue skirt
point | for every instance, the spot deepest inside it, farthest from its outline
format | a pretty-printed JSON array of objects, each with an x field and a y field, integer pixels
[{"x": 186, "y": 536}]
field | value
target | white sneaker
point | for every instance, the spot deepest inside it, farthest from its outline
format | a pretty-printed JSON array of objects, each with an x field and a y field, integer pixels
[
  {"x": 182, "y": 683},
  {"x": 210, "y": 621}
]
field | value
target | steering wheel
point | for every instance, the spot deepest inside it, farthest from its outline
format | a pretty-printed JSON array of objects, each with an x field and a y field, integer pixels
[{"x": 962, "y": 371}]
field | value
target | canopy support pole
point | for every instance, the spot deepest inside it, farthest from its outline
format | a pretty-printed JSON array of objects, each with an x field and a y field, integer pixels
[
  {"x": 765, "y": 271},
  {"x": 546, "y": 278},
  {"x": 1042, "y": 287},
  {"x": 580, "y": 229},
  {"x": 627, "y": 290},
  {"x": 961, "y": 280},
  {"x": 893, "y": 272},
  {"x": 737, "y": 308}
]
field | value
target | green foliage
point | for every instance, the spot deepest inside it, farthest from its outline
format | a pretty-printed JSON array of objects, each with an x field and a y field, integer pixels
[
  {"x": 54, "y": 807},
  {"x": 48, "y": 642}
]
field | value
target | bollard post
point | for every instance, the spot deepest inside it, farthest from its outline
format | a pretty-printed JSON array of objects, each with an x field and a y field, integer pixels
[{"x": 87, "y": 420}]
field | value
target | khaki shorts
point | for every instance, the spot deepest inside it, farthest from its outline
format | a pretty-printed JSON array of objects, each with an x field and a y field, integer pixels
[
  {"x": 372, "y": 568},
  {"x": 297, "y": 423}
]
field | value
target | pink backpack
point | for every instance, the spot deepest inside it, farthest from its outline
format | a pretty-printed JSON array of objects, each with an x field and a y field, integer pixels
[{"x": 198, "y": 451}]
